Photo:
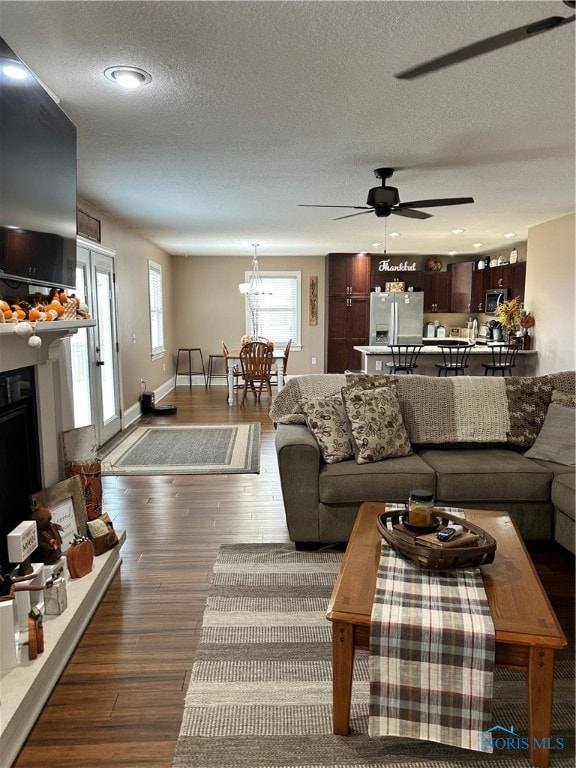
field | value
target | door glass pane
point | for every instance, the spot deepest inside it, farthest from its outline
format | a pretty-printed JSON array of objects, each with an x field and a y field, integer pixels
[
  {"x": 80, "y": 363},
  {"x": 105, "y": 342}
]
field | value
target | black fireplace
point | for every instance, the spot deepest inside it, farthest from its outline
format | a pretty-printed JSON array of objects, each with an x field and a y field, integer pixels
[{"x": 19, "y": 452}]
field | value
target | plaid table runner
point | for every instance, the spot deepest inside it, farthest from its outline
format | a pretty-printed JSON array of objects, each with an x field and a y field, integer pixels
[{"x": 431, "y": 653}]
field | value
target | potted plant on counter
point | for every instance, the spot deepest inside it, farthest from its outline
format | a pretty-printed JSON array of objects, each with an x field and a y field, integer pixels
[{"x": 512, "y": 315}]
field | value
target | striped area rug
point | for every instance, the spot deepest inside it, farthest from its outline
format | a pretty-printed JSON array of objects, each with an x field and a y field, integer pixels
[{"x": 260, "y": 691}]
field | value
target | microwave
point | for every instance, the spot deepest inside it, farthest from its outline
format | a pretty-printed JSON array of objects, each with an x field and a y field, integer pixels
[{"x": 494, "y": 296}]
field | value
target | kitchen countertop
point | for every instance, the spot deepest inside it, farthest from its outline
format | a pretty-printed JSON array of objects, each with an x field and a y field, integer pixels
[{"x": 477, "y": 349}]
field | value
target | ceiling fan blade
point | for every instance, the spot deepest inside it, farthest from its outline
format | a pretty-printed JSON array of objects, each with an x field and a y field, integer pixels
[
  {"x": 411, "y": 214},
  {"x": 358, "y": 207},
  {"x": 369, "y": 210},
  {"x": 436, "y": 203},
  {"x": 485, "y": 46}
]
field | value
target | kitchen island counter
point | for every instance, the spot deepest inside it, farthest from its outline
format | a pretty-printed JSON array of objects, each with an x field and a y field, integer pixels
[{"x": 374, "y": 359}]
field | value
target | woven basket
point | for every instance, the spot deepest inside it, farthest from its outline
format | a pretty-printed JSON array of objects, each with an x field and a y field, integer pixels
[
  {"x": 439, "y": 558},
  {"x": 69, "y": 311}
]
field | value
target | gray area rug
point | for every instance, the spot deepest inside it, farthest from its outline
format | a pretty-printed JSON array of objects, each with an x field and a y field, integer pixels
[
  {"x": 186, "y": 450},
  {"x": 260, "y": 691}
]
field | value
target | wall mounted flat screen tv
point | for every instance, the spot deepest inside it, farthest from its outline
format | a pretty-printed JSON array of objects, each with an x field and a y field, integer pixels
[{"x": 37, "y": 181}]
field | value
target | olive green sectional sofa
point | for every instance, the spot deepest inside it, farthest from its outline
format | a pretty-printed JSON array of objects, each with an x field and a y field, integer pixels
[{"x": 473, "y": 441}]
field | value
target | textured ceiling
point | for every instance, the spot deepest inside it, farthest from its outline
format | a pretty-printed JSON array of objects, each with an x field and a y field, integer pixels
[{"x": 255, "y": 107}]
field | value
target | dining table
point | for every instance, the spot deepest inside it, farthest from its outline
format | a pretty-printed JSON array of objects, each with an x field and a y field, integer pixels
[{"x": 233, "y": 359}]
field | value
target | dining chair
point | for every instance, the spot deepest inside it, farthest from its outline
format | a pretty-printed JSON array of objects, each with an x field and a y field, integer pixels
[
  {"x": 455, "y": 359},
  {"x": 256, "y": 364},
  {"x": 503, "y": 359},
  {"x": 404, "y": 357},
  {"x": 274, "y": 376}
]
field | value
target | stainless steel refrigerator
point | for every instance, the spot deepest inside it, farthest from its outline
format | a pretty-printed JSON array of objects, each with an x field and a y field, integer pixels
[{"x": 396, "y": 318}]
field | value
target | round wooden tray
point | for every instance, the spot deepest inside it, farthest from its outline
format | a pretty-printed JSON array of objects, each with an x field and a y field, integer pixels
[{"x": 439, "y": 558}]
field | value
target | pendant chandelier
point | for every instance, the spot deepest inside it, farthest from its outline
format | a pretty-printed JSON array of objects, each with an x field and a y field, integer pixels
[{"x": 254, "y": 290}]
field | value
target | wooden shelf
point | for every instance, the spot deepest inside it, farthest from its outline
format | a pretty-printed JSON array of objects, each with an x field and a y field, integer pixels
[{"x": 24, "y": 689}]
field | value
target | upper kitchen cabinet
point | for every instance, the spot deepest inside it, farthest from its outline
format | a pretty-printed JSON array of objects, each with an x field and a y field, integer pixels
[
  {"x": 348, "y": 274},
  {"x": 410, "y": 278},
  {"x": 461, "y": 286},
  {"x": 511, "y": 276},
  {"x": 436, "y": 286},
  {"x": 467, "y": 287}
]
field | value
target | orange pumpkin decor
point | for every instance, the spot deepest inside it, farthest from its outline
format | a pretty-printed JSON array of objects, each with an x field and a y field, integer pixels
[
  {"x": 57, "y": 307},
  {"x": 19, "y": 312},
  {"x": 34, "y": 314}
]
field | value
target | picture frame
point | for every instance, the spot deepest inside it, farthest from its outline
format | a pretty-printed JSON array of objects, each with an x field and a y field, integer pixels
[
  {"x": 455, "y": 332},
  {"x": 65, "y": 500},
  {"x": 313, "y": 301},
  {"x": 395, "y": 287}
]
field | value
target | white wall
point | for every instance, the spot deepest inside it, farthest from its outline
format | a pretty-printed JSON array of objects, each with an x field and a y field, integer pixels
[{"x": 550, "y": 293}]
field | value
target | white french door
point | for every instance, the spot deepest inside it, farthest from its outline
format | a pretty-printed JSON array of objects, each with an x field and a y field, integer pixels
[{"x": 95, "y": 363}]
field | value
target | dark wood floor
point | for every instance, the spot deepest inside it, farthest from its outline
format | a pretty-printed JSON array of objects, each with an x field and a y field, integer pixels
[{"x": 120, "y": 699}]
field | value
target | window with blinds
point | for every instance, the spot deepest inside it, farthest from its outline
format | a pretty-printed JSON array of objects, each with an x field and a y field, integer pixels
[
  {"x": 279, "y": 308},
  {"x": 156, "y": 308}
]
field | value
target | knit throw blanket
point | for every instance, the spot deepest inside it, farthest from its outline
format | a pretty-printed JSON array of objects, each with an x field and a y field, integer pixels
[
  {"x": 431, "y": 654},
  {"x": 460, "y": 409}
]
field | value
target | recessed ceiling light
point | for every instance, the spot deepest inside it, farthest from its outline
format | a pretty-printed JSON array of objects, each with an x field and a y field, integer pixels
[
  {"x": 128, "y": 77},
  {"x": 477, "y": 245},
  {"x": 456, "y": 231},
  {"x": 509, "y": 234},
  {"x": 394, "y": 234},
  {"x": 452, "y": 253},
  {"x": 375, "y": 245}
]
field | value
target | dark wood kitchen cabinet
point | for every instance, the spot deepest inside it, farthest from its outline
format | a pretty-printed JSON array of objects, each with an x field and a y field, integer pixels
[
  {"x": 436, "y": 287},
  {"x": 348, "y": 309},
  {"x": 467, "y": 287},
  {"x": 511, "y": 276},
  {"x": 461, "y": 286}
]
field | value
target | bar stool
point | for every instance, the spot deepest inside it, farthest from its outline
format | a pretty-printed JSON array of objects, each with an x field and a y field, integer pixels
[
  {"x": 211, "y": 375},
  {"x": 503, "y": 359},
  {"x": 455, "y": 359},
  {"x": 404, "y": 357},
  {"x": 190, "y": 372}
]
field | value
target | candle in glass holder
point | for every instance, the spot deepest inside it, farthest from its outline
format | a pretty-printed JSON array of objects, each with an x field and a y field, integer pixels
[{"x": 421, "y": 508}]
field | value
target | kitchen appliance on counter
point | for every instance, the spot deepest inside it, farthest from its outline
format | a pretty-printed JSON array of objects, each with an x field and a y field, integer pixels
[
  {"x": 396, "y": 318},
  {"x": 494, "y": 297}
]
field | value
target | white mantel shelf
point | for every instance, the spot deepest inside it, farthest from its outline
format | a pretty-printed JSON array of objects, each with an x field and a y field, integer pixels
[
  {"x": 25, "y": 689},
  {"x": 62, "y": 327},
  {"x": 15, "y": 352}
]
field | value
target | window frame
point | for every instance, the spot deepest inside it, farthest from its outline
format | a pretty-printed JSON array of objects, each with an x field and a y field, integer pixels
[
  {"x": 272, "y": 274},
  {"x": 156, "y": 309}
]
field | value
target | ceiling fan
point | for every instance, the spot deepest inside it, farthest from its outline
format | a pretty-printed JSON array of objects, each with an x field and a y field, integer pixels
[
  {"x": 385, "y": 200},
  {"x": 489, "y": 44}
]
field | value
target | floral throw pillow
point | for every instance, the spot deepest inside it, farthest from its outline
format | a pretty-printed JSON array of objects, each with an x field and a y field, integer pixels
[
  {"x": 377, "y": 424},
  {"x": 327, "y": 420}
]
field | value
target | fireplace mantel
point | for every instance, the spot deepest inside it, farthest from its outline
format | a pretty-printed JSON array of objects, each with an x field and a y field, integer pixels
[
  {"x": 15, "y": 352},
  {"x": 53, "y": 384}
]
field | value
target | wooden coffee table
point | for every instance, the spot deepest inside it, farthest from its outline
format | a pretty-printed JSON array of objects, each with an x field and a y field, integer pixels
[{"x": 527, "y": 631}]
